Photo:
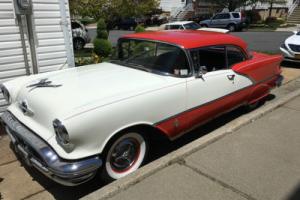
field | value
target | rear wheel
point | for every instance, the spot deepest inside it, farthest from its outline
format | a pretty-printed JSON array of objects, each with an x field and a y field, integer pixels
[
  {"x": 124, "y": 155},
  {"x": 231, "y": 27},
  {"x": 255, "y": 105}
]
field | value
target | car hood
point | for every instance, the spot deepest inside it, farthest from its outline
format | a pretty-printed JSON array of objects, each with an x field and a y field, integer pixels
[
  {"x": 294, "y": 39},
  {"x": 77, "y": 90}
]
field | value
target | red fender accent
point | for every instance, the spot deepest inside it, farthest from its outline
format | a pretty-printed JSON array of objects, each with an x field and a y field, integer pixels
[{"x": 258, "y": 92}]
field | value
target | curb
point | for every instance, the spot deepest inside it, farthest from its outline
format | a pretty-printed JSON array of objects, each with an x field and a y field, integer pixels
[{"x": 175, "y": 156}]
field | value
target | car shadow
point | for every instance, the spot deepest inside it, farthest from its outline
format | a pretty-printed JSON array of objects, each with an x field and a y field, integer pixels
[
  {"x": 295, "y": 195},
  {"x": 158, "y": 150},
  {"x": 164, "y": 147},
  {"x": 289, "y": 64},
  {"x": 59, "y": 191}
]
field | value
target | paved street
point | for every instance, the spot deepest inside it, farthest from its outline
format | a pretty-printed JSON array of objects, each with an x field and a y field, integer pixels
[
  {"x": 264, "y": 41},
  {"x": 258, "y": 162},
  {"x": 258, "y": 41}
]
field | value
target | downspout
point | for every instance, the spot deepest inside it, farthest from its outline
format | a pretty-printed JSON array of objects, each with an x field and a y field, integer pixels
[
  {"x": 24, "y": 48},
  {"x": 67, "y": 37},
  {"x": 30, "y": 28}
]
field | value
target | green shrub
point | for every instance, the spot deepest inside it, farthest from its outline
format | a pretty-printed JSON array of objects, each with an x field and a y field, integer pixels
[
  {"x": 101, "y": 24},
  {"x": 270, "y": 20},
  {"x": 139, "y": 29},
  {"x": 102, "y": 35},
  {"x": 101, "y": 29},
  {"x": 280, "y": 20},
  {"x": 86, "y": 20},
  {"x": 102, "y": 47}
]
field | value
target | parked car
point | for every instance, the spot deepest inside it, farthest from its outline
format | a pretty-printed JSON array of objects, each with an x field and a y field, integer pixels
[
  {"x": 126, "y": 24},
  {"x": 182, "y": 25},
  {"x": 291, "y": 48},
  {"x": 80, "y": 35},
  {"x": 73, "y": 123},
  {"x": 232, "y": 21},
  {"x": 189, "y": 25}
]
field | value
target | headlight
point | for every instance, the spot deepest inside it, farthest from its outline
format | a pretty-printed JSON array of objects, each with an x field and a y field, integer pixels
[
  {"x": 283, "y": 46},
  {"x": 61, "y": 132},
  {"x": 5, "y": 93}
]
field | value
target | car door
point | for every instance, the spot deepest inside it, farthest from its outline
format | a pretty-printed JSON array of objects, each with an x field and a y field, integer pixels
[
  {"x": 219, "y": 89},
  {"x": 221, "y": 20},
  {"x": 215, "y": 21}
]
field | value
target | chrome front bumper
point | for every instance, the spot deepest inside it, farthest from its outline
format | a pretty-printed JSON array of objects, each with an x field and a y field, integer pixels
[{"x": 37, "y": 153}]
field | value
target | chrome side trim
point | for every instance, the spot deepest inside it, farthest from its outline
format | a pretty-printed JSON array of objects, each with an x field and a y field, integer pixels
[{"x": 37, "y": 153}]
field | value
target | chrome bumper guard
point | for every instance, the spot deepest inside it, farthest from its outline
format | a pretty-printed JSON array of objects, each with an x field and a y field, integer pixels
[{"x": 37, "y": 153}]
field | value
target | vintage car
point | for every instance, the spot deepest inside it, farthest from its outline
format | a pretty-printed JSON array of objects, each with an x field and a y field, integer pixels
[{"x": 73, "y": 123}]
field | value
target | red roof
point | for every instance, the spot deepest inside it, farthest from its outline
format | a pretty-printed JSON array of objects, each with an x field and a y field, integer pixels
[{"x": 190, "y": 39}]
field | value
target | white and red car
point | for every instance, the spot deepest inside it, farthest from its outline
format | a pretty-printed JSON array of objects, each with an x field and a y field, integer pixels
[{"x": 73, "y": 123}]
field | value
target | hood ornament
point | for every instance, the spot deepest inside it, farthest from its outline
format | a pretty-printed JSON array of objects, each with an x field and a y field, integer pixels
[
  {"x": 42, "y": 83},
  {"x": 23, "y": 105}
]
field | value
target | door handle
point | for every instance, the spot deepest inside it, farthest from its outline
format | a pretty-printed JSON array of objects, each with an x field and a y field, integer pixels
[{"x": 231, "y": 77}]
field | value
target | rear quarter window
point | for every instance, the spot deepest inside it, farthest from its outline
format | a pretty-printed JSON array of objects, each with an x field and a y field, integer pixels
[
  {"x": 234, "y": 55},
  {"x": 236, "y": 15}
]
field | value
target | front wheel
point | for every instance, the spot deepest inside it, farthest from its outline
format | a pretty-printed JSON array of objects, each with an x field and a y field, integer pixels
[
  {"x": 78, "y": 43},
  {"x": 124, "y": 156}
]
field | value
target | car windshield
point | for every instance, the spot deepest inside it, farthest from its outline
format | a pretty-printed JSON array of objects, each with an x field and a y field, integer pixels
[
  {"x": 155, "y": 57},
  {"x": 192, "y": 26}
]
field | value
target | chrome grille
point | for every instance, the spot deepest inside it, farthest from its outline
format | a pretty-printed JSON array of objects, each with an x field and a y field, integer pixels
[{"x": 294, "y": 47}]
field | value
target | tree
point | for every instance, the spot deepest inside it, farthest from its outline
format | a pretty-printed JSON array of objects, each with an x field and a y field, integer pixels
[{"x": 110, "y": 9}]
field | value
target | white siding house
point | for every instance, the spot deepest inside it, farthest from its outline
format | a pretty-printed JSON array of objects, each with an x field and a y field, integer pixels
[
  {"x": 52, "y": 40},
  {"x": 171, "y": 5}
]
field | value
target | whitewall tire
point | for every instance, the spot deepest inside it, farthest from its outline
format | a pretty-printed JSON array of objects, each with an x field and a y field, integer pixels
[{"x": 126, "y": 154}]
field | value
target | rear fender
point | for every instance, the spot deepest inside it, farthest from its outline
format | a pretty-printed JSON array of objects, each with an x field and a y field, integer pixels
[
  {"x": 260, "y": 67},
  {"x": 258, "y": 92}
]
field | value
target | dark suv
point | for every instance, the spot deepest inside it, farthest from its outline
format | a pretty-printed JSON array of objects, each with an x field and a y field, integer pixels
[
  {"x": 126, "y": 24},
  {"x": 232, "y": 21}
]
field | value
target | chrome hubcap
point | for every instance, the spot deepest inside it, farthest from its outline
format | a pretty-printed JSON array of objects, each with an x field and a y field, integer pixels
[{"x": 124, "y": 154}]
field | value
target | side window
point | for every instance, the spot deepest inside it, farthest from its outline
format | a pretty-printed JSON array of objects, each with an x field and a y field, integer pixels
[
  {"x": 236, "y": 15},
  {"x": 172, "y": 60},
  {"x": 209, "y": 58},
  {"x": 174, "y": 27},
  {"x": 226, "y": 16},
  {"x": 234, "y": 55},
  {"x": 75, "y": 25},
  {"x": 218, "y": 16}
]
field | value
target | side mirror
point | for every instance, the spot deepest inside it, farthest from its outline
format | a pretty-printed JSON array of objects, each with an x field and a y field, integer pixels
[{"x": 202, "y": 70}]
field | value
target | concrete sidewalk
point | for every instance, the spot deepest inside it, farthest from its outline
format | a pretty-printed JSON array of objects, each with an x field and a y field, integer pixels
[{"x": 259, "y": 161}]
